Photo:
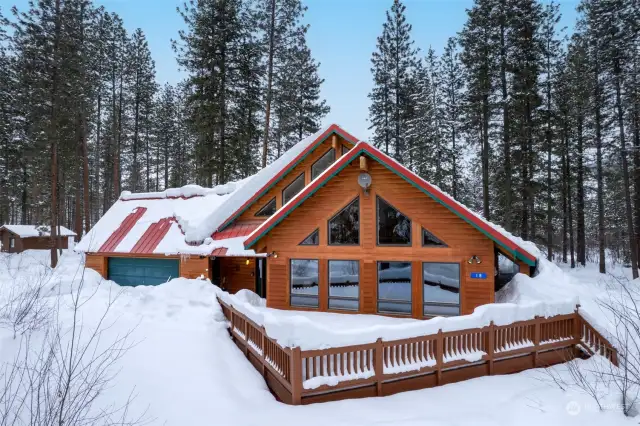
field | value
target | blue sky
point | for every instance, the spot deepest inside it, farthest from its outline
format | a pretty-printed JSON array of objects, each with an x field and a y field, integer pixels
[{"x": 342, "y": 35}]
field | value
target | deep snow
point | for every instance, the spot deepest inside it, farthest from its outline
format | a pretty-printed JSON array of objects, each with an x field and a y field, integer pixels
[{"x": 185, "y": 370}]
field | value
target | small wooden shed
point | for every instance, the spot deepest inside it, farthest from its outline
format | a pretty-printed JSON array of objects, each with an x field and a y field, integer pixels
[{"x": 18, "y": 238}]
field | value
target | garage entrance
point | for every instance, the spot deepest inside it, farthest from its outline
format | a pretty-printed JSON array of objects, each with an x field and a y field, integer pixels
[{"x": 135, "y": 271}]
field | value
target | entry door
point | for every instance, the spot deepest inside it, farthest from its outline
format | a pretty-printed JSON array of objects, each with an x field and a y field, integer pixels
[
  {"x": 132, "y": 272},
  {"x": 261, "y": 276}
]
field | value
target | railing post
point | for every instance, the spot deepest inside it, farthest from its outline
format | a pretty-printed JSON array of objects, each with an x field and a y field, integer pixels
[
  {"x": 246, "y": 336},
  {"x": 296, "y": 376},
  {"x": 491, "y": 343},
  {"x": 536, "y": 340},
  {"x": 577, "y": 326},
  {"x": 264, "y": 351},
  {"x": 439, "y": 356},
  {"x": 378, "y": 366}
]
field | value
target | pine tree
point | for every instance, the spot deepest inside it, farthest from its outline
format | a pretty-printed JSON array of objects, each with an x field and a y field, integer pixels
[{"x": 393, "y": 63}]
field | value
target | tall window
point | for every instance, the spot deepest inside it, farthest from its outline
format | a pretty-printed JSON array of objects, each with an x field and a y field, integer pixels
[
  {"x": 344, "y": 284},
  {"x": 312, "y": 239},
  {"x": 294, "y": 187},
  {"x": 394, "y": 287},
  {"x": 344, "y": 227},
  {"x": 12, "y": 242},
  {"x": 268, "y": 209},
  {"x": 441, "y": 288},
  {"x": 394, "y": 228},
  {"x": 430, "y": 240},
  {"x": 323, "y": 163},
  {"x": 304, "y": 283},
  {"x": 345, "y": 149}
]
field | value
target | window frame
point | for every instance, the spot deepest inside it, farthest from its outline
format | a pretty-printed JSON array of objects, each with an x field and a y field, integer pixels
[
  {"x": 329, "y": 297},
  {"x": 329, "y": 243},
  {"x": 304, "y": 296},
  {"x": 316, "y": 231},
  {"x": 331, "y": 150},
  {"x": 423, "y": 230},
  {"x": 301, "y": 175},
  {"x": 445, "y": 304},
  {"x": 410, "y": 244},
  {"x": 409, "y": 302},
  {"x": 345, "y": 149},
  {"x": 275, "y": 202}
]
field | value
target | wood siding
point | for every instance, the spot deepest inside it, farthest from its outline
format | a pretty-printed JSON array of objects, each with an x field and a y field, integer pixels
[
  {"x": 32, "y": 243},
  {"x": 194, "y": 266},
  {"x": 276, "y": 191},
  {"x": 236, "y": 274},
  {"x": 98, "y": 263},
  {"x": 463, "y": 240}
]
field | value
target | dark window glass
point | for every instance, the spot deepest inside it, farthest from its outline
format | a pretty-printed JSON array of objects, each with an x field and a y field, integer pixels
[
  {"x": 394, "y": 228},
  {"x": 441, "y": 288},
  {"x": 344, "y": 228},
  {"x": 311, "y": 240},
  {"x": 394, "y": 287},
  {"x": 268, "y": 209},
  {"x": 430, "y": 240},
  {"x": 304, "y": 283},
  {"x": 294, "y": 187},
  {"x": 345, "y": 149},
  {"x": 323, "y": 163},
  {"x": 344, "y": 284}
]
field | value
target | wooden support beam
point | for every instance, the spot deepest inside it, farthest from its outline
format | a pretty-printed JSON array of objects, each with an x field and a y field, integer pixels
[
  {"x": 334, "y": 142},
  {"x": 364, "y": 166}
]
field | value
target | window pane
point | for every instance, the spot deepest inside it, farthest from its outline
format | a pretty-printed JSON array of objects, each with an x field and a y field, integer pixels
[
  {"x": 394, "y": 287},
  {"x": 304, "y": 282},
  {"x": 344, "y": 228},
  {"x": 344, "y": 280},
  {"x": 312, "y": 240},
  {"x": 322, "y": 164},
  {"x": 344, "y": 149},
  {"x": 441, "y": 282},
  {"x": 268, "y": 209},
  {"x": 428, "y": 239},
  {"x": 441, "y": 310},
  {"x": 393, "y": 227},
  {"x": 294, "y": 187}
]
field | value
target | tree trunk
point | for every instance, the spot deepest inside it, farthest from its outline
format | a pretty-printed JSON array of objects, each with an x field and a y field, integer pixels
[
  {"x": 625, "y": 171},
  {"x": 272, "y": 30},
  {"x": 53, "y": 137},
  {"x": 485, "y": 157},
  {"x": 506, "y": 141},
  {"x": 599, "y": 172},
  {"x": 581, "y": 243}
]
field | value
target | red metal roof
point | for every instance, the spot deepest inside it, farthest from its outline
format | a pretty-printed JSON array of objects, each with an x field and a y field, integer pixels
[
  {"x": 236, "y": 230},
  {"x": 152, "y": 236},
  {"x": 124, "y": 228},
  {"x": 221, "y": 251}
]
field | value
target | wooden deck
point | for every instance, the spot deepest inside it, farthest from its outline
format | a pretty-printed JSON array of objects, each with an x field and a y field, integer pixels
[{"x": 388, "y": 367}]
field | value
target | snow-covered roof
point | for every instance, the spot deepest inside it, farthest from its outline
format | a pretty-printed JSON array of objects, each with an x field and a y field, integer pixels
[
  {"x": 154, "y": 223},
  {"x": 33, "y": 231},
  {"x": 261, "y": 182}
]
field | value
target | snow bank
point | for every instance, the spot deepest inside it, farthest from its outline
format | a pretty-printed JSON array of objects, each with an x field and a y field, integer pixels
[{"x": 291, "y": 330}]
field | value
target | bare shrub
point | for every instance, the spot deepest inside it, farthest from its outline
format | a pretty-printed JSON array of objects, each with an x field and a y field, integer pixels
[{"x": 60, "y": 373}]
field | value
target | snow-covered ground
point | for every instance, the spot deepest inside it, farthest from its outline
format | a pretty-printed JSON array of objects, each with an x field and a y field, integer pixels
[{"x": 184, "y": 369}]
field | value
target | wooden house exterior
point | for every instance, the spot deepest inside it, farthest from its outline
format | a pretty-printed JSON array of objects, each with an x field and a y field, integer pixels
[
  {"x": 316, "y": 238},
  {"x": 18, "y": 238}
]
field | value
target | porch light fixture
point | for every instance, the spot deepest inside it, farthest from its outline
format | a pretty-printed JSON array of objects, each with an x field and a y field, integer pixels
[
  {"x": 475, "y": 259},
  {"x": 247, "y": 262},
  {"x": 274, "y": 254}
]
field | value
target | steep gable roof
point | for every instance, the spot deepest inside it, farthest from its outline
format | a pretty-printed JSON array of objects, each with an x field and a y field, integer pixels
[
  {"x": 261, "y": 182},
  {"x": 506, "y": 241}
]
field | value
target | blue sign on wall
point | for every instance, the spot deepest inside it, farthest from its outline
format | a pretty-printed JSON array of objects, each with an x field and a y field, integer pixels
[{"x": 479, "y": 275}]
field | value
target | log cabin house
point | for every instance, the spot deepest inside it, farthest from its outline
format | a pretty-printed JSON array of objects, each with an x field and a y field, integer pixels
[
  {"x": 332, "y": 225},
  {"x": 18, "y": 238}
]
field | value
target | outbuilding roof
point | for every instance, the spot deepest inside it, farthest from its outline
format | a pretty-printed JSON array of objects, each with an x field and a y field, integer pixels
[{"x": 34, "y": 231}]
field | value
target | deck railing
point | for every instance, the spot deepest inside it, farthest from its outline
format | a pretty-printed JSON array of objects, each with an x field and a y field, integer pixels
[{"x": 387, "y": 367}]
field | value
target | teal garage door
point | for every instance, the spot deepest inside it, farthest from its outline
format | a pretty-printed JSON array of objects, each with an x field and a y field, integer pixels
[{"x": 132, "y": 271}]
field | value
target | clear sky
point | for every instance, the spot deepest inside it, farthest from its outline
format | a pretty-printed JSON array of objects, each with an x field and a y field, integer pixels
[{"x": 342, "y": 36}]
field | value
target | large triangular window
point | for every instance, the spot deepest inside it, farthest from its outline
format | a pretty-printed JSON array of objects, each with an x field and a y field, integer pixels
[
  {"x": 344, "y": 227},
  {"x": 430, "y": 240},
  {"x": 394, "y": 228},
  {"x": 268, "y": 209},
  {"x": 312, "y": 240}
]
